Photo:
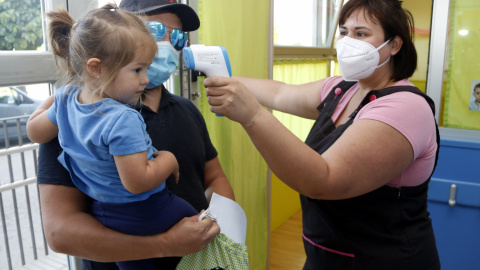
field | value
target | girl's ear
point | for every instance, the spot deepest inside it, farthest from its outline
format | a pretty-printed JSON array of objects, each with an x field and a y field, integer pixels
[
  {"x": 94, "y": 67},
  {"x": 396, "y": 45}
]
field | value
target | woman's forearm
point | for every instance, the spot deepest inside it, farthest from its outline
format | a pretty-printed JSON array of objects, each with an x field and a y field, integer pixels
[
  {"x": 264, "y": 90},
  {"x": 292, "y": 161},
  {"x": 297, "y": 99}
]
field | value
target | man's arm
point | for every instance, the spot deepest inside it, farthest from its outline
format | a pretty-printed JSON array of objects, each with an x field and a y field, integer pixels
[
  {"x": 216, "y": 180},
  {"x": 70, "y": 229}
]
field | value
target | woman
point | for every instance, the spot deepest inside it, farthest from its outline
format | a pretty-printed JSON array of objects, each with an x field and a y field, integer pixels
[{"x": 364, "y": 169}]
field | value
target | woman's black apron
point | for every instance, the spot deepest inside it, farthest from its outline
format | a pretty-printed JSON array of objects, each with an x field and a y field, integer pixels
[{"x": 388, "y": 228}]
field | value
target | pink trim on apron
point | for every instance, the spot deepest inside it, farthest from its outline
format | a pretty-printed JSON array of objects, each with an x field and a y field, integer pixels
[{"x": 328, "y": 249}]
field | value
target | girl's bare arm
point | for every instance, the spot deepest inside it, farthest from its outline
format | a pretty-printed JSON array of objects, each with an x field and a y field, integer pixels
[
  {"x": 138, "y": 174},
  {"x": 39, "y": 127}
]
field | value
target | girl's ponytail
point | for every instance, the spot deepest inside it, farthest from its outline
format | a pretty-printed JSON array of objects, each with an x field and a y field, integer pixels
[{"x": 60, "y": 26}]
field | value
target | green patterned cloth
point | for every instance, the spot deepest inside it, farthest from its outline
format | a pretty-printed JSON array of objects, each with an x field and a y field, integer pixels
[{"x": 221, "y": 252}]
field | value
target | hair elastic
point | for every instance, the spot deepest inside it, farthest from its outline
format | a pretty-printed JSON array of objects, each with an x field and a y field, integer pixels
[{"x": 253, "y": 120}]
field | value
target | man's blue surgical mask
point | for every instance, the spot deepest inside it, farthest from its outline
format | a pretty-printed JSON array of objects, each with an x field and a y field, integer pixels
[{"x": 164, "y": 63}]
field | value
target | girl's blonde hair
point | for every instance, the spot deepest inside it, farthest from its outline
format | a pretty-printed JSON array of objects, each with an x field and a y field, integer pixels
[{"x": 107, "y": 33}]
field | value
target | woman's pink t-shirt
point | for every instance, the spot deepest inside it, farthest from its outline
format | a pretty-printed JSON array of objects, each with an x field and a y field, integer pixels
[{"x": 408, "y": 113}]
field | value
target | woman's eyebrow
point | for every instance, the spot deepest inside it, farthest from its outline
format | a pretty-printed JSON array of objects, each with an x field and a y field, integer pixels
[{"x": 356, "y": 27}]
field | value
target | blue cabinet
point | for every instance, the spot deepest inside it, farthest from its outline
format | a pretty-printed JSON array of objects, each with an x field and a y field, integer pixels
[{"x": 454, "y": 204}]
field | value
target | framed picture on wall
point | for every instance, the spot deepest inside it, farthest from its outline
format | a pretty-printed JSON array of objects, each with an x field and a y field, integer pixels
[{"x": 474, "y": 104}]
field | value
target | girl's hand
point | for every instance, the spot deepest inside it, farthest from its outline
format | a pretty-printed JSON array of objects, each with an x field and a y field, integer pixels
[{"x": 232, "y": 99}]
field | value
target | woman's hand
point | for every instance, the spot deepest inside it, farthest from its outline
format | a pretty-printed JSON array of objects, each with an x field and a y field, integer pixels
[{"x": 232, "y": 99}]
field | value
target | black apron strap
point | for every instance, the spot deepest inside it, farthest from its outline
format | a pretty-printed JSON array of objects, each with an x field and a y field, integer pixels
[{"x": 374, "y": 94}]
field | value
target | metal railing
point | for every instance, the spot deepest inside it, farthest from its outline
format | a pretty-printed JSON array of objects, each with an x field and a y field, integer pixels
[{"x": 23, "y": 240}]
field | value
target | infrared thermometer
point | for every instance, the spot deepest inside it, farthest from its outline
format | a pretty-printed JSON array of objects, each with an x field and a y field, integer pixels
[{"x": 210, "y": 60}]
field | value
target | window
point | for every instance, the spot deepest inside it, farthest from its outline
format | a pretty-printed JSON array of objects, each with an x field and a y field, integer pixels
[
  {"x": 24, "y": 59},
  {"x": 305, "y": 29},
  {"x": 453, "y": 68},
  {"x": 308, "y": 23},
  {"x": 21, "y": 25},
  {"x": 16, "y": 105}
]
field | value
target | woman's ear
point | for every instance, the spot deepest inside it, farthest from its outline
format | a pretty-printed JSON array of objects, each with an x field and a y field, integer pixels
[
  {"x": 395, "y": 45},
  {"x": 94, "y": 67}
]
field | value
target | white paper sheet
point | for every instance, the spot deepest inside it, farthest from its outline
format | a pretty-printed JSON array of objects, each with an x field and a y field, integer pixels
[{"x": 230, "y": 217}]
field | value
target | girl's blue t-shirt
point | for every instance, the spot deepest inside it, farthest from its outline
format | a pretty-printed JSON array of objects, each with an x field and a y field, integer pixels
[{"x": 90, "y": 135}]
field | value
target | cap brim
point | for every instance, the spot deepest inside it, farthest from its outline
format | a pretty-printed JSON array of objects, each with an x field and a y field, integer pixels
[{"x": 186, "y": 14}]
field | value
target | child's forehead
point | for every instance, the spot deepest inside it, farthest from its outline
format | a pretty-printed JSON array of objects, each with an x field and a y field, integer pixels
[
  {"x": 142, "y": 57},
  {"x": 145, "y": 49}
]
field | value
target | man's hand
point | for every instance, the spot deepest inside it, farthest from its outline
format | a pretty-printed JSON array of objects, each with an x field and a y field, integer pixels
[{"x": 187, "y": 236}]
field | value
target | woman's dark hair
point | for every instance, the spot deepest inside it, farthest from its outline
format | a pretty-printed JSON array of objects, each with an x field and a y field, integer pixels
[{"x": 395, "y": 21}]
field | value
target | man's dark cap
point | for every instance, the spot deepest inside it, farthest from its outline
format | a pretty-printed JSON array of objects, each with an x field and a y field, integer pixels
[{"x": 188, "y": 17}]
